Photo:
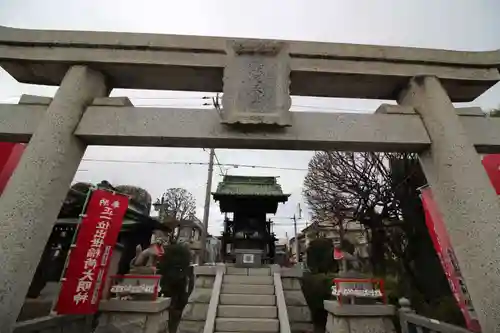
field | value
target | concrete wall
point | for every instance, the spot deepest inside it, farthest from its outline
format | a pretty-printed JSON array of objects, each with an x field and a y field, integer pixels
[
  {"x": 56, "y": 324},
  {"x": 195, "y": 312},
  {"x": 298, "y": 310}
]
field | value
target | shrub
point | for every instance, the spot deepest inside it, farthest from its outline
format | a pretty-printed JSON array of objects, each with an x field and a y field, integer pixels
[
  {"x": 316, "y": 289},
  {"x": 174, "y": 268},
  {"x": 320, "y": 256}
]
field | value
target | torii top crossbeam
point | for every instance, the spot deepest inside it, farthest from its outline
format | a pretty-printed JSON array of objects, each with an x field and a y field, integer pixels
[{"x": 193, "y": 63}]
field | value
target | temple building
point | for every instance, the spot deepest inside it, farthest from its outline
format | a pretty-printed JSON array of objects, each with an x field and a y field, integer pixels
[{"x": 247, "y": 238}]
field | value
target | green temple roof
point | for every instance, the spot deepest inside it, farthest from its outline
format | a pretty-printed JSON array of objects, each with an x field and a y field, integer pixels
[{"x": 249, "y": 186}]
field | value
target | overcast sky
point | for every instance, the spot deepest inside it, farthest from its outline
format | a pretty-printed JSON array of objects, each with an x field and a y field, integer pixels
[{"x": 447, "y": 24}]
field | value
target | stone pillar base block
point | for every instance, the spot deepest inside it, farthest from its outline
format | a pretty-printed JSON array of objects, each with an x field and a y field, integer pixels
[
  {"x": 142, "y": 270},
  {"x": 345, "y": 318},
  {"x": 134, "y": 316}
]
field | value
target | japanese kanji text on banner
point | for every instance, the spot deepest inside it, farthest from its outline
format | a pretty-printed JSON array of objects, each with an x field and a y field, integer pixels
[
  {"x": 446, "y": 255},
  {"x": 86, "y": 272}
]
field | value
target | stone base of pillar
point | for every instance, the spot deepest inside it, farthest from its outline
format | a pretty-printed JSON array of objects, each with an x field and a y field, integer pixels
[
  {"x": 35, "y": 308},
  {"x": 134, "y": 316},
  {"x": 345, "y": 318}
]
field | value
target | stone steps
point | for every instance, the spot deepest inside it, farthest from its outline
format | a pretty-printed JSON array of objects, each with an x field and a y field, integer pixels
[
  {"x": 248, "y": 279},
  {"x": 248, "y": 289},
  {"x": 243, "y": 299},
  {"x": 246, "y": 325},
  {"x": 247, "y": 311},
  {"x": 247, "y": 302},
  {"x": 262, "y": 271}
]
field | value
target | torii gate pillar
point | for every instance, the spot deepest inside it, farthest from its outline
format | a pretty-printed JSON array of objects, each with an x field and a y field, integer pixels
[
  {"x": 35, "y": 192},
  {"x": 463, "y": 192}
]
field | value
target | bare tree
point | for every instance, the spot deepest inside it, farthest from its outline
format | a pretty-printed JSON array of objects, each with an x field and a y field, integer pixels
[
  {"x": 344, "y": 186},
  {"x": 175, "y": 206},
  {"x": 177, "y": 203},
  {"x": 381, "y": 191},
  {"x": 341, "y": 181}
]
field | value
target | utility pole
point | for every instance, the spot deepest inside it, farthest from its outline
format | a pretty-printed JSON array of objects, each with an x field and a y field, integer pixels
[
  {"x": 161, "y": 214},
  {"x": 206, "y": 211},
  {"x": 295, "y": 232},
  {"x": 296, "y": 245}
]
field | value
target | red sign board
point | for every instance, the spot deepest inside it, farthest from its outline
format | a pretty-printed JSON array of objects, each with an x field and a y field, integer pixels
[
  {"x": 492, "y": 165},
  {"x": 444, "y": 250},
  {"x": 135, "y": 284},
  {"x": 86, "y": 272},
  {"x": 358, "y": 288}
]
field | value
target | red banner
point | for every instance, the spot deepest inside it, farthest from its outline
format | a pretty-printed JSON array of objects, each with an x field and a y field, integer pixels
[
  {"x": 10, "y": 154},
  {"x": 86, "y": 272},
  {"x": 444, "y": 250},
  {"x": 492, "y": 165},
  {"x": 338, "y": 254}
]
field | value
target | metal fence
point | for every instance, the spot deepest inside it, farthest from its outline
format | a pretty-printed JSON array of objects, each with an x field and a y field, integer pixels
[{"x": 413, "y": 323}]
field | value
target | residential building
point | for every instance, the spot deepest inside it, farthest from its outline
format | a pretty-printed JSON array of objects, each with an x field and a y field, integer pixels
[
  {"x": 189, "y": 233},
  {"x": 281, "y": 252},
  {"x": 213, "y": 252},
  {"x": 354, "y": 232},
  {"x": 302, "y": 247}
]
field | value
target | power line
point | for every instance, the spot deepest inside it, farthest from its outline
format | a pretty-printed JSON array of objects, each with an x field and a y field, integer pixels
[
  {"x": 219, "y": 164},
  {"x": 168, "y": 98},
  {"x": 193, "y": 163},
  {"x": 168, "y": 106},
  {"x": 200, "y": 98},
  {"x": 288, "y": 225}
]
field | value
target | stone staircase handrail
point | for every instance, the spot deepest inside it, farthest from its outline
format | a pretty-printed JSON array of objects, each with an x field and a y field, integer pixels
[
  {"x": 411, "y": 319},
  {"x": 214, "y": 302},
  {"x": 412, "y": 322},
  {"x": 280, "y": 304}
]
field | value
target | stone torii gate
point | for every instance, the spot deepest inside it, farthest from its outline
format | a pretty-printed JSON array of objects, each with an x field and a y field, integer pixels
[{"x": 257, "y": 78}]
